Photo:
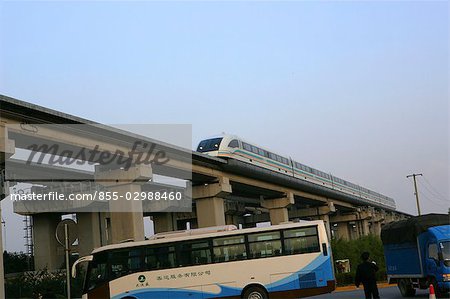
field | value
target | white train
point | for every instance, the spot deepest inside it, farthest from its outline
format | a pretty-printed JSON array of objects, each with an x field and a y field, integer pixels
[{"x": 233, "y": 147}]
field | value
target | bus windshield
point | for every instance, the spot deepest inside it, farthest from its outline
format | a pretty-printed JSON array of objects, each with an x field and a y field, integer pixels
[{"x": 97, "y": 272}]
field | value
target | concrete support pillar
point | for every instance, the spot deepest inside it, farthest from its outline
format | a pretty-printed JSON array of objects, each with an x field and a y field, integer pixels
[
  {"x": 278, "y": 215},
  {"x": 7, "y": 149},
  {"x": 210, "y": 211},
  {"x": 364, "y": 228},
  {"x": 91, "y": 232},
  {"x": 163, "y": 222},
  {"x": 126, "y": 217},
  {"x": 278, "y": 208},
  {"x": 48, "y": 253},
  {"x": 376, "y": 228},
  {"x": 209, "y": 202},
  {"x": 342, "y": 231},
  {"x": 355, "y": 230}
]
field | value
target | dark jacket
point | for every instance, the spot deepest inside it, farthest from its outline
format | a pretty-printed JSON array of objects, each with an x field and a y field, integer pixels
[{"x": 365, "y": 273}]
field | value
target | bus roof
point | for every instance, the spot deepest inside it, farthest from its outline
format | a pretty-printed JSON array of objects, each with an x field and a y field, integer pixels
[{"x": 194, "y": 236}]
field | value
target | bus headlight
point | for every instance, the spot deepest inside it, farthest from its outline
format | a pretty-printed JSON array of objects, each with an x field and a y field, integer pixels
[{"x": 446, "y": 277}]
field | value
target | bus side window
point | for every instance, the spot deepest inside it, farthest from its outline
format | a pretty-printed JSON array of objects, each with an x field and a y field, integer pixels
[
  {"x": 301, "y": 240},
  {"x": 194, "y": 253},
  {"x": 264, "y": 244},
  {"x": 159, "y": 257},
  {"x": 229, "y": 249}
]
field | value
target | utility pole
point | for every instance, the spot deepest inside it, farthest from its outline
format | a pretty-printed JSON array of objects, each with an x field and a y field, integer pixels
[{"x": 415, "y": 189}]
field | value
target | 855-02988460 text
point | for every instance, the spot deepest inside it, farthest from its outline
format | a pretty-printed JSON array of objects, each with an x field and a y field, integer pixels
[{"x": 100, "y": 196}]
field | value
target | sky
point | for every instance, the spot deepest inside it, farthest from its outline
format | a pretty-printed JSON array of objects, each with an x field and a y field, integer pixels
[{"x": 356, "y": 89}]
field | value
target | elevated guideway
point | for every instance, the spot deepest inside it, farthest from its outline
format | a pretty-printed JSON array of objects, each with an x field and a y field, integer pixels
[{"x": 222, "y": 191}]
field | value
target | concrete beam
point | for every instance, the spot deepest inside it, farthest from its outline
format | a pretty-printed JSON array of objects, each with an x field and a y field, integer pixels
[
  {"x": 79, "y": 140},
  {"x": 310, "y": 212},
  {"x": 218, "y": 189},
  {"x": 203, "y": 170},
  {"x": 343, "y": 218},
  {"x": 278, "y": 208}
]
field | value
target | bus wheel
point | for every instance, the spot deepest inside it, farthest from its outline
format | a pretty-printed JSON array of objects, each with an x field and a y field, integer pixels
[
  {"x": 255, "y": 292},
  {"x": 406, "y": 288}
]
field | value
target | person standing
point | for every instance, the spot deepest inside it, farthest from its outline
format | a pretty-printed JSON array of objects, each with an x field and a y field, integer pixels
[{"x": 366, "y": 274}]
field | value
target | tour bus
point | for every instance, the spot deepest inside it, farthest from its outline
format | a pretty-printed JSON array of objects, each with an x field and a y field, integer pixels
[{"x": 289, "y": 260}]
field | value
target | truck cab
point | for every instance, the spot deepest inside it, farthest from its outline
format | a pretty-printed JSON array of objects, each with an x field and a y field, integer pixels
[
  {"x": 436, "y": 244},
  {"x": 417, "y": 253}
]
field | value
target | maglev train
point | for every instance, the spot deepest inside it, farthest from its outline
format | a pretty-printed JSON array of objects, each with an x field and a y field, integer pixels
[{"x": 233, "y": 147}]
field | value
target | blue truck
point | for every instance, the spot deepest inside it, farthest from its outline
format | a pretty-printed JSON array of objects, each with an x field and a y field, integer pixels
[{"x": 417, "y": 253}]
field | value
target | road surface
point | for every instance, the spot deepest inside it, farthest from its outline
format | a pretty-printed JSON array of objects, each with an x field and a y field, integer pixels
[{"x": 385, "y": 293}]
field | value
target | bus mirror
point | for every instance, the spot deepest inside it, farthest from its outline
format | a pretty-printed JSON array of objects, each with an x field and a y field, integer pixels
[
  {"x": 440, "y": 256},
  {"x": 324, "y": 249},
  {"x": 84, "y": 259}
]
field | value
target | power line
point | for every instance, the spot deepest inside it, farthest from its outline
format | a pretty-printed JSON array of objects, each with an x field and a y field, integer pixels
[
  {"x": 415, "y": 189},
  {"x": 432, "y": 193},
  {"x": 432, "y": 200},
  {"x": 435, "y": 190}
]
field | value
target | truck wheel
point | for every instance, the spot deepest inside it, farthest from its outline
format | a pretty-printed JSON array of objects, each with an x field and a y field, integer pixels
[{"x": 406, "y": 288}]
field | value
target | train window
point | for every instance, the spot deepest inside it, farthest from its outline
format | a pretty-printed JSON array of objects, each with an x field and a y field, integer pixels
[
  {"x": 272, "y": 156},
  {"x": 209, "y": 145},
  {"x": 247, "y": 146},
  {"x": 261, "y": 152},
  {"x": 254, "y": 149},
  {"x": 233, "y": 143},
  {"x": 285, "y": 161}
]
